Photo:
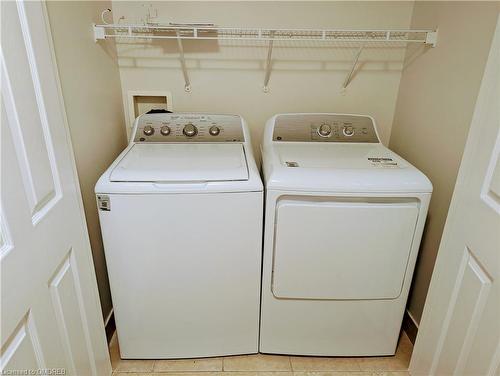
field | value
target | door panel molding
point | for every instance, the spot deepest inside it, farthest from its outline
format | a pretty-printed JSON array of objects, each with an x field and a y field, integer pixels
[
  {"x": 490, "y": 192},
  {"x": 25, "y": 331},
  {"x": 42, "y": 113},
  {"x": 465, "y": 291},
  {"x": 42, "y": 195},
  {"x": 6, "y": 244},
  {"x": 66, "y": 277}
]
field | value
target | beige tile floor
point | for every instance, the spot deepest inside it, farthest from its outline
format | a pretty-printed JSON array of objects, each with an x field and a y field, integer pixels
[{"x": 266, "y": 365}]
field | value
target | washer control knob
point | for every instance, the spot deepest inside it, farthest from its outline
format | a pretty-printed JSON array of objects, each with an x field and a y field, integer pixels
[
  {"x": 214, "y": 130},
  {"x": 190, "y": 130},
  {"x": 348, "y": 130},
  {"x": 324, "y": 130},
  {"x": 165, "y": 130},
  {"x": 148, "y": 130}
]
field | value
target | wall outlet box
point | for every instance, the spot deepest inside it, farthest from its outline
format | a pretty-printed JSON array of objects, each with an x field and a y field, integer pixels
[{"x": 141, "y": 101}]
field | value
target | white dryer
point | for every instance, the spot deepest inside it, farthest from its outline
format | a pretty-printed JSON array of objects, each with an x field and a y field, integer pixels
[
  {"x": 181, "y": 218},
  {"x": 343, "y": 221}
]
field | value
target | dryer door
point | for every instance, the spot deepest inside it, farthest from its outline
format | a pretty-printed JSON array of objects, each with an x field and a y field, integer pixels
[{"x": 337, "y": 248}]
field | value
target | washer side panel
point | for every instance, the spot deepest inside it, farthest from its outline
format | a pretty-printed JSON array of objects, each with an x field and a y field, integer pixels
[{"x": 185, "y": 273}]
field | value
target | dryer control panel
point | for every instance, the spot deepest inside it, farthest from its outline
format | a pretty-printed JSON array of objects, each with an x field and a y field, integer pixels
[
  {"x": 171, "y": 127},
  {"x": 324, "y": 128}
]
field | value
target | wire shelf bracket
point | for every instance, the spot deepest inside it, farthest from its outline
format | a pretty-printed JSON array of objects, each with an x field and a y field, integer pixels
[
  {"x": 151, "y": 31},
  {"x": 265, "y": 87},
  {"x": 187, "y": 83},
  {"x": 348, "y": 78}
]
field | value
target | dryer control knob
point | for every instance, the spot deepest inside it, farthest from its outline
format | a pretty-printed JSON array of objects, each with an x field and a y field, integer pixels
[
  {"x": 324, "y": 130},
  {"x": 190, "y": 130},
  {"x": 348, "y": 131},
  {"x": 214, "y": 130},
  {"x": 148, "y": 130},
  {"x": 165, "y": 130}
]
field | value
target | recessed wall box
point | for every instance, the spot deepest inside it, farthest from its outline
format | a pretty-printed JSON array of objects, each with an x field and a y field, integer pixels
[{"x": 140, "y": 102}]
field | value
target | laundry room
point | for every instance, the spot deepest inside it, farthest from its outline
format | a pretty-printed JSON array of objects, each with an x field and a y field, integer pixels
[{"x": 302, "y": 188}]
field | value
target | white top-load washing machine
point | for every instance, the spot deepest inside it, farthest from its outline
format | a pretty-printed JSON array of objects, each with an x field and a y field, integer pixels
[
  {"x": 181, "y": 218},
  {"x": 343, "y": 221}
]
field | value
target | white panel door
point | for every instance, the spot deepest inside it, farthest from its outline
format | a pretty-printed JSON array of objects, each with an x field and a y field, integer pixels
[
  {"x": 50, "y": 314},
  {"x": 460, "y": 329}
]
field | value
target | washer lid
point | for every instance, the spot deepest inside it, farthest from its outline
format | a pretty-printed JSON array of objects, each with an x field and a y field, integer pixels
[{"x": 182, "y": 163}]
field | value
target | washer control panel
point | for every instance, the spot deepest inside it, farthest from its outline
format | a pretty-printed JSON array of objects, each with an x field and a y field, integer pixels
[
  {"x": 324, "y": 128},
  {"x": 170, "y": 127}
]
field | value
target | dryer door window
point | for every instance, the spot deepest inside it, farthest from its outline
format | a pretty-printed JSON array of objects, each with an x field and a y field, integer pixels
[{"x": 342, "y": 249}]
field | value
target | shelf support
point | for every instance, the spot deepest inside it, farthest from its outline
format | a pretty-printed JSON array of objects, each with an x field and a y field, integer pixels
[
  {"x": 431, "y": 38},
  {"x": 268, "y": 62},
  {"x": 187, "y": 83},
  {"x": 347, "y": 80},
  {"x": 99, "y": 33}
]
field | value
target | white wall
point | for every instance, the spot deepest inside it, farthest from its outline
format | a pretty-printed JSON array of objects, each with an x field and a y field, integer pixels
[
  {"x": 227, "y": 77},
  {"x": 434, "y": 110},
  {"x": 92, "y": 95}
]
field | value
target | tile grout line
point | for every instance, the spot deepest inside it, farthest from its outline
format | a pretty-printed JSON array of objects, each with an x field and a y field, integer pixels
[{"x": 291, "y": 364}]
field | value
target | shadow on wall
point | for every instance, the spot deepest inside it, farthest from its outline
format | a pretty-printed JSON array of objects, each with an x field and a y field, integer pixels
[
  {"x": 414, "y": 51},
  {"x": 429, "y": 222},
  {"x": 251, "y": 55}
]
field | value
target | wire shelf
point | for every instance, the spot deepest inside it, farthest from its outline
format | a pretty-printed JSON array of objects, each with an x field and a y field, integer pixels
[
  {"x": 115, "y": 31},
  {"x": 197, "y": 32}
]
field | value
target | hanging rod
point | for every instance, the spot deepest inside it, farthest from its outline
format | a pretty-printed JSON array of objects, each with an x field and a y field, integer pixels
[
  {"x": 157, "y": 31},
  {"x": 148, "y": 31}
]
